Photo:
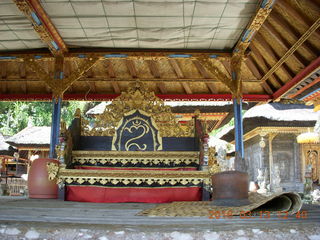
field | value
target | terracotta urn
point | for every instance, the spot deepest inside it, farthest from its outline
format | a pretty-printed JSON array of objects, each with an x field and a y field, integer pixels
[
  {"x": 230, "y": 188},
  {"x": 38, "y": 183}
]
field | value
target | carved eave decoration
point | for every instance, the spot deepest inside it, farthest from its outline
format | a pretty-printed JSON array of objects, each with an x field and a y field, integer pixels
[
  {"x": 264, "y": 131},
  {"x": 137, "y": 97}
]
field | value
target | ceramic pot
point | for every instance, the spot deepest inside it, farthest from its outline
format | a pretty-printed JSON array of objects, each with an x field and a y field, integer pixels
[{"x": 39, "y": 185}]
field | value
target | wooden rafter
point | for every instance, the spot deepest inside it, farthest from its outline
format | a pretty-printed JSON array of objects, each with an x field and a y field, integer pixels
[
  {"x": 186, "y": 87},
  {"x": 253, "y": 68},
  {"x": 60, "y": 86},
  {"x": 3, "y": 75},
  {"x": 301, "y": 40},
  {"x": 206, "y": 75},
  {"x": 22, "y": 70},
  {"x": 266, "y": 87},
  {"x": 3, "y": 70},
  {"x": 110, "y": 69},
  {"x": 131, "y": 68},
  {"x": 227, "y": 66},
  {"x": 153, "y": 68},
  {"x": 266, "y": 48},
  {"x": 42, "y": 25},
  {"x": 175, "y": 65},
  {"x": 299, "y": 18},
  {"x": 262, "y": 64},
  {"x": 156, "y": 74},
  {"x": 22, "y": 73},
  {"x": 116, "y": 87},
  {"x": 177, "y": 70},
  {"x": 279, "y": 39},
  {"x": 291, "y": 32},
  {"x": 201, "y": 69}
]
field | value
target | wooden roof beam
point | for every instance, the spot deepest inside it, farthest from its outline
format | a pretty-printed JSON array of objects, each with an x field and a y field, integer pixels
[
  {"x": 110, "y": 69},
  {"x": 186, "y": 88},
  {"x": 156, "y": 74},
  {"x": 268, "y": 49},
  {"x": 227, "y": 66},
  {"x": 201, "y": 69},
  {"x": 112, "y": 74},
  {"x": 253, "y": 27},
  {"x": 153, "y": 68},
  {"x": 42, "y": 25},
  {"x": 263, "y": 65},
  {"x": 275, "y": 35},
  {"x": 301, "y": 40},
  {"x": 22, "y": 73},
  {"x": 116, "y": 87},
  {"x": 299, "y": 19},
  {"x": 253, "y": 68},
  {"x": 281, "y": 22},
  {"x": 175, "y": 65},
  {"x": 4, "y": 69},
  {"x": 3, "y": 75},
  {"x": 162, "y": 87},
  {"x": 131, "y": 68},
  {"x": 206, "y": 75},
  {"x": 4, "y": 87},
  {"x": 212, "y": 88},
  {"x": 22, "y": 70},
  {"x": 255, "y": 71}
]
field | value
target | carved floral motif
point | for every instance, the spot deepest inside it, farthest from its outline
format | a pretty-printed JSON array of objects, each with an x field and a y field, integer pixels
[{"x": 137, "y": 97}]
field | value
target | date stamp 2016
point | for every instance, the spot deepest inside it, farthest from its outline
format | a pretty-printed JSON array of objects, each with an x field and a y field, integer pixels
[{"x": 257, "y": 214}]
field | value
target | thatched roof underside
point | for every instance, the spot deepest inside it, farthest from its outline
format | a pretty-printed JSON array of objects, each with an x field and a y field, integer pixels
[{"x": 5, "y": 148}]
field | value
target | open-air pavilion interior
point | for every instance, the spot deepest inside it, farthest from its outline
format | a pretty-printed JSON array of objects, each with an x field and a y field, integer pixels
[{"x": 168, "y": 73}]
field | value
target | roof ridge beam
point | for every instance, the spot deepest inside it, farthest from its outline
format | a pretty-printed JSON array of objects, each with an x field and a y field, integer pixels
[
  {"x": 43, "y": 25},
  {"x": 254, "y": 25}
]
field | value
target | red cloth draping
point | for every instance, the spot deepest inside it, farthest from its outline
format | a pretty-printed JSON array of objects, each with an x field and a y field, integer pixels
[{"x": 124, "y": 194}]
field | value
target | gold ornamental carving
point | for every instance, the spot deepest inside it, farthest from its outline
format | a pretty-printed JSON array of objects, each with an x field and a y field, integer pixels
[
  {"x": 69, "y": 176},
  {"x": 213, "y": 165},
  {"x": 137, "y": 97},
  {"x": 135, "y": 157},
  {"x": 53, "y": 171}
]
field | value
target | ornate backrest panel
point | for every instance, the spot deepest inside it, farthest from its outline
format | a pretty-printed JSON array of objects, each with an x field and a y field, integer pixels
[
  {"x": 137, "y": 132},
  {"x": 137, "y": 97}
]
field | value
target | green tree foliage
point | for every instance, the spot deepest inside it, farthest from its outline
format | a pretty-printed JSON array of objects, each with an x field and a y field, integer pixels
[{"x": 15, "y": 116}]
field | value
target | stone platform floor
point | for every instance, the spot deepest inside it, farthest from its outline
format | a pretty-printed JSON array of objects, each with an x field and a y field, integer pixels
[{"x": 22, "y": 218}]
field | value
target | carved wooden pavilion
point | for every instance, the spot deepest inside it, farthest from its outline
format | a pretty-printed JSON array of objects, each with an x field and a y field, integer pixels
[{"x": 93, "y": 50}]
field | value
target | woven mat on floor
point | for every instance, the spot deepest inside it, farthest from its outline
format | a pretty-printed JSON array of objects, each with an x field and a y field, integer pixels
[{"x": 285, "y": 202}]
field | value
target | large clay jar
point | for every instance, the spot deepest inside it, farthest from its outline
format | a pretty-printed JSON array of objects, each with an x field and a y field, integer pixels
[
  {"x": 38, "y": 183},
  {"x": 230, "y": 188}
]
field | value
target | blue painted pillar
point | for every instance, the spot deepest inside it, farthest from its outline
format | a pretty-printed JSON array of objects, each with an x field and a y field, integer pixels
[
  {"x": 56, "y": 109},
  {"x": 238, "y": 128},
  {"x": 55, "y": 126}
]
